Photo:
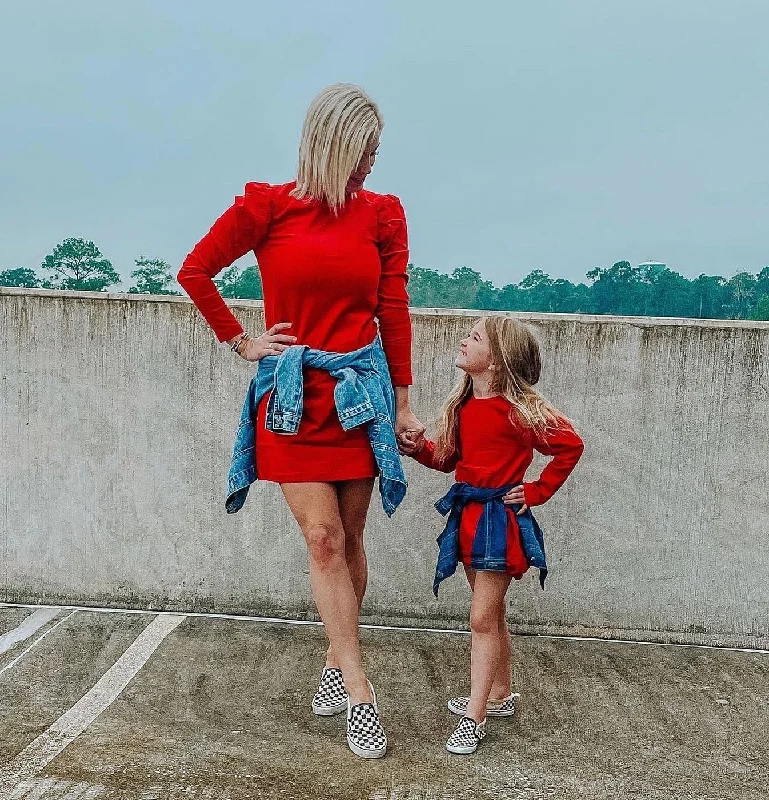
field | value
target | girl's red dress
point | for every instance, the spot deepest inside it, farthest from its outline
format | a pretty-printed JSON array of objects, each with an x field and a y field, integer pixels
[
  {"x": 331, "y": 277},
  {"x": 494, "y": 452}
]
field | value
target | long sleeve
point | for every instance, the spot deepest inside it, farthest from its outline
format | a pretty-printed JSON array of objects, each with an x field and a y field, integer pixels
[
  {"x": 565, "y": 446},
  {"x": 393, "y": 301},
  {"x": 426, "y": 457},
  {"x": 235, "y": 233}
]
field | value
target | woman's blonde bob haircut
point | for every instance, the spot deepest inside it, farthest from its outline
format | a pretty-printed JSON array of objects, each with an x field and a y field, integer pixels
[
  {"x": 517, "y": 366},
  {"x": 340, "y": 123}
]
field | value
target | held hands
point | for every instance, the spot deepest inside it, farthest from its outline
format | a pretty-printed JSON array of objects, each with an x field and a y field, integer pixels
[
  {"x": 409, "y": 432},
  {"x": 270, "y": 343},
  {"x": 516, "y": 497}
]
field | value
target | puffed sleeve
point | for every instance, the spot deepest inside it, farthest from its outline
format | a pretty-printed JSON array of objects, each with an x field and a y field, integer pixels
[
  {"x": 240, "y": 229},
  {"x": 565, "y": 446},
  {"x": 393, "y": 301}
]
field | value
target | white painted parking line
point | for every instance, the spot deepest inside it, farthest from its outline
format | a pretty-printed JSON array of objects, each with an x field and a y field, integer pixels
[
  {"x": 51, "y": 789},
  {"x": 28, "y": 627},
  {"x": 39, "y": 753},
  {"x": 400, "y": 628},
  {"x": 37, "y": 641}
]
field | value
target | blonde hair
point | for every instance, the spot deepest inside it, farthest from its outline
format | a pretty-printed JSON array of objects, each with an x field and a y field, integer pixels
[
  {"x": 340, "y": 123},
  {"x": 515, "y": 354}
]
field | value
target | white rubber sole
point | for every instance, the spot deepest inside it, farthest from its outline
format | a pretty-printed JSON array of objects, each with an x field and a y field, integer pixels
[
  {"x": 329, "y": 711},
  {"x": 362, "y": 752},
  {"x": 490, "y": 710},
  {"x": 462, "y": 750}
]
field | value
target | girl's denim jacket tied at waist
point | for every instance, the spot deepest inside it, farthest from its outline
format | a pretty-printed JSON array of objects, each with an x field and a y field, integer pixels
[
  {"x": 363, "y": 395},
  {"x": 489, "y": 550}
]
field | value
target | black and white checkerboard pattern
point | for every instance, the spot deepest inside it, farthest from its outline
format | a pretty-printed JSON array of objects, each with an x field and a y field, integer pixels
[
  {"x": 458, "y": 705},
  {"x": 364, "y": 729},
  {"x": 466, "y": 736},
  {"x": 331, "y": 693}
]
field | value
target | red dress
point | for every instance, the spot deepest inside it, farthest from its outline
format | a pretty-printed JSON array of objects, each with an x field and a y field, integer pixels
[
  {"x": 330, "y": 277},
  {"x": 494, "y": 452}
]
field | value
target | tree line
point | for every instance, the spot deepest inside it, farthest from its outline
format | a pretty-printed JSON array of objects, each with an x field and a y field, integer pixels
[{"x": 649, "y": 289}]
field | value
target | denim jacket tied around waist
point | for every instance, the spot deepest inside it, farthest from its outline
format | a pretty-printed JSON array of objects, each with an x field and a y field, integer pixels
[
  {"x": 363, "y": 395},
  {"x": 489, "y": 551}
]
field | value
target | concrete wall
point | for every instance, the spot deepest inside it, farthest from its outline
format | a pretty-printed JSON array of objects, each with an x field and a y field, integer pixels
[{"x": 118, "y": 414}]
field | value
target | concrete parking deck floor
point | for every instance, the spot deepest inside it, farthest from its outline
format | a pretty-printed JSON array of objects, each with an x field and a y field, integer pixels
[{"x": 96, "y": 705}]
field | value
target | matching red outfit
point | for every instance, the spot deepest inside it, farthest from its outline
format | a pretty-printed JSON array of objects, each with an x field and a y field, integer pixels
[
  {"x": 494, "y": 452},
  {"x": 331, "y": 277}
]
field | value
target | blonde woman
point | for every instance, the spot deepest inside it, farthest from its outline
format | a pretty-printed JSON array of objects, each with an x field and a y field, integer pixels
[
  {"x": 487, "y": 431},
  {"x": 332, "y": 385}
]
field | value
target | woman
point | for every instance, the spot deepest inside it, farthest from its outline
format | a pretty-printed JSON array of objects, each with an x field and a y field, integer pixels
[{"x": 333, "y": 260}]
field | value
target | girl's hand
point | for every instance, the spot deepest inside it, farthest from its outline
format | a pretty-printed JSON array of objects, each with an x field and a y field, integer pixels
[
  {"x": 515, "y": 497},
  {"x": 270, "y": 343}
]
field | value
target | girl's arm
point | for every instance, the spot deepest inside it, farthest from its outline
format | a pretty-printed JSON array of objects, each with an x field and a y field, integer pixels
[
  {"x": 565, "y": 446},
  {"x": 426, "y": 457}
]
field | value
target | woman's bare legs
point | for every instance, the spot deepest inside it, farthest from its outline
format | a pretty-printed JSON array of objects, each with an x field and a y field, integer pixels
[
  {"x": 354, "y": 499},
  {"x": 489, "y": 589},
  {"x": 316, "y": 509},
  {"x": 501, "y": 687}
]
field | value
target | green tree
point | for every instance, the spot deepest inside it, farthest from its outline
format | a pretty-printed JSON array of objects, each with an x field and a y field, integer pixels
[
  {"x": 22, "y": 277},
  {"x": 246, "y": 284},
  {"x": 79, "y": 264},
  {"x": 618, "y": 289},
  {"x": 152, "y": 276},
  {"x": 708, "y": 294},
  {"x": 761, "y": 309},
  {"x": 741, "y": 294}
]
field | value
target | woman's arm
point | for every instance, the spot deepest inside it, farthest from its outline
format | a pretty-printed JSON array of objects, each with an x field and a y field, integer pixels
[{"x": 238, "y": 231}]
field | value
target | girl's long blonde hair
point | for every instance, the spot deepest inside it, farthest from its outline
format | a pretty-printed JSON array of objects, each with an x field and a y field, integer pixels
[
  {"x": 515, "y": 354},
  {"x": 340, "y": 123}
]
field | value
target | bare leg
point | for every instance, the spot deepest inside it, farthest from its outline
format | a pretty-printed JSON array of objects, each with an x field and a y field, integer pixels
[
  {"x": 354, "y": 500},
  {"x": 316, "y": 508},
  {"x": 488, "y": 599},
  {"x": 501, "y": 687}
]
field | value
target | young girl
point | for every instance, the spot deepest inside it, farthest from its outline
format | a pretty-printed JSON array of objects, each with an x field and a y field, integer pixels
[{"x": 487, "y": 431}]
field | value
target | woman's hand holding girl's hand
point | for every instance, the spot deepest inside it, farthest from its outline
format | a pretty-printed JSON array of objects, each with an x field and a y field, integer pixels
[
  {"x": 270, "y": 343},
  {"x": 411, "y": 441},
  {"x": 516, "y": 497},
  {"x": 409, "y": 431}
]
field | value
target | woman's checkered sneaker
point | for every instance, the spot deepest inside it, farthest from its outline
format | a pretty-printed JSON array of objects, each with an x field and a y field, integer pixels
[
  {"x": 466, "y": 736},
  {"x": 365, "y": 734},
  {"x": 331, "y": 698},
  {"x": 494, "y": 708}
]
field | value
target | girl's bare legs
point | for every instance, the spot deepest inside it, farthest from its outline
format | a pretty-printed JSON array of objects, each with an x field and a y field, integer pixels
[
  {"x": 316, "y": 509},
  {"x": 489, "y": 589},
  {"x": 354, "y": 499},
  {"x": 501, "y": 687}
]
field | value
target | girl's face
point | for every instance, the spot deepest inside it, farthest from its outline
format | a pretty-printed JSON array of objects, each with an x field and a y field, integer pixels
[
  {"x": 475, "y": 351},
  {"x": 363, "y": 170}
]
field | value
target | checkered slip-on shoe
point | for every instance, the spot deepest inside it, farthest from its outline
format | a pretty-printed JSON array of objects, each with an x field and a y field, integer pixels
[
  {"x": 466, "y": 736},
  {"x": 365, "y": 734},
  {"x": 331, "y": 698},
  {"x": 494, "y": 708}
]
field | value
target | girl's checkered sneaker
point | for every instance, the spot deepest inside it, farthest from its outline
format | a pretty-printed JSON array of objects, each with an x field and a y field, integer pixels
[
  {"x": 466, "y": 736},
  {"x": 331, "y": 698},
  {"x": 494, "y": 708},
  {"x": 365, "y": 734}
]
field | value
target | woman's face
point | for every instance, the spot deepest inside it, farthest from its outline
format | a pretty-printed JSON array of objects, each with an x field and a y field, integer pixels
[
  {"x": 363, "y": 170},
  {"x": 474, "y": 355}
]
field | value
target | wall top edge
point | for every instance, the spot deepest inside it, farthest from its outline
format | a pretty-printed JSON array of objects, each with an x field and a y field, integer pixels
[{"x": 533, "y": 316}]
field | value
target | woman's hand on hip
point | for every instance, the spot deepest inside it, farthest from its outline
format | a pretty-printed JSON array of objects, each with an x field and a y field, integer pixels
[
  {"x": 270, "y": 343},
  {"x": 516, "y": 497}
]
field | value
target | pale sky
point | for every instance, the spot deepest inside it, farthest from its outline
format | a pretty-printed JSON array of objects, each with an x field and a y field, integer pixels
[{"x": 519, "y": 135}]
